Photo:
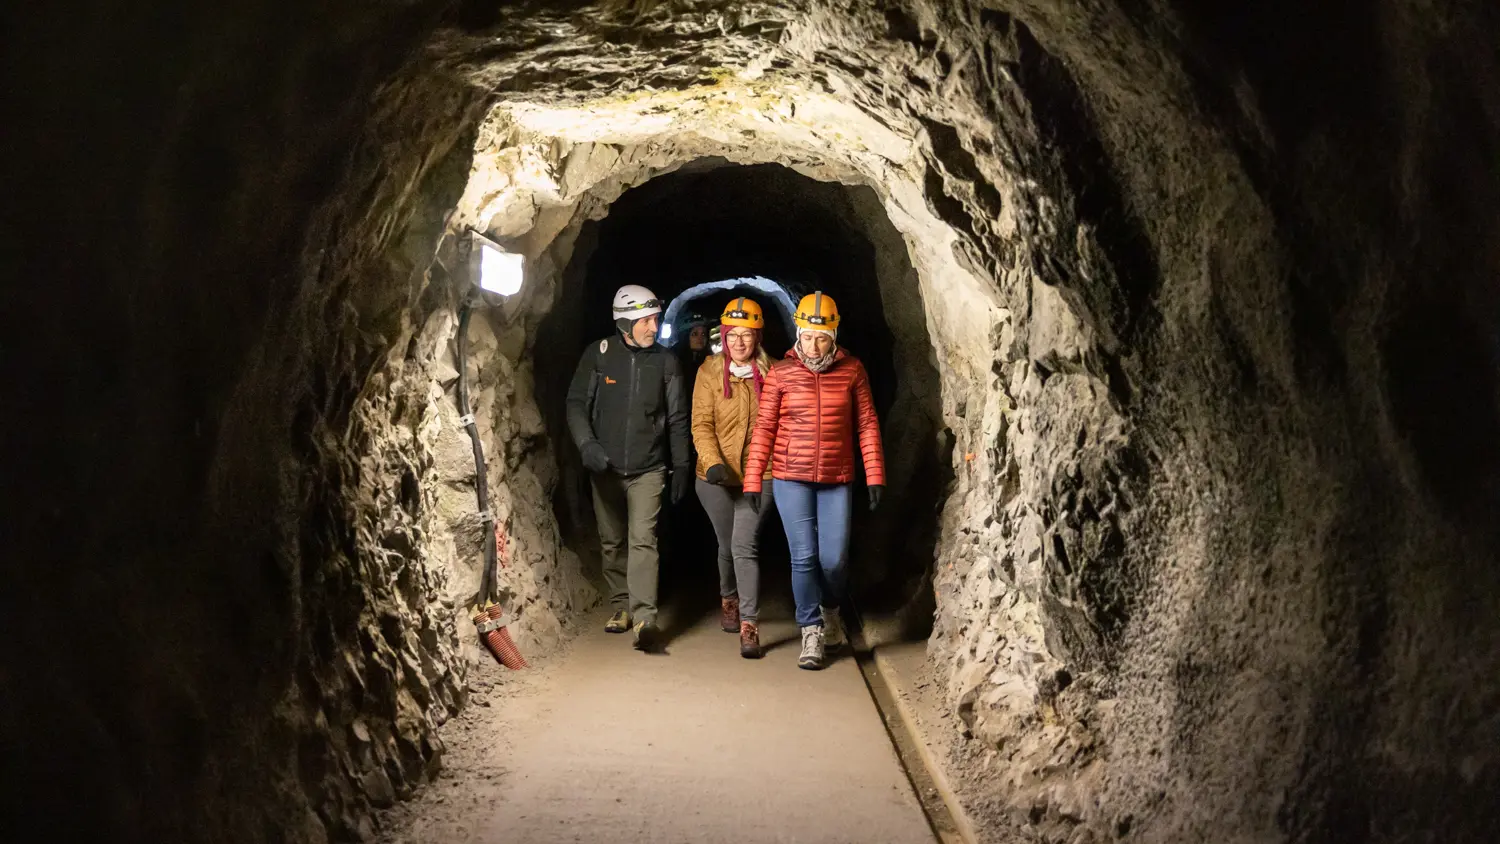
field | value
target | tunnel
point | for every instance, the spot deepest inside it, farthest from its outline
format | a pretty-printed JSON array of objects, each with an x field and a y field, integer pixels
[
  {"x": 712, "y": 220},
  {"x": 1180, "y": 322}
]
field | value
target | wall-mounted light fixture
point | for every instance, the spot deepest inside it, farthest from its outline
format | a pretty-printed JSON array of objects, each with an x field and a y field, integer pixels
[
  {"x": 494, "y": 268},
  {"x": 666, "y": 331}
]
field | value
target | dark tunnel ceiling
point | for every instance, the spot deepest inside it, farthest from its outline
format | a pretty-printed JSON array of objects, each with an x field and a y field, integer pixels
[{"x": 714, "y": 221}]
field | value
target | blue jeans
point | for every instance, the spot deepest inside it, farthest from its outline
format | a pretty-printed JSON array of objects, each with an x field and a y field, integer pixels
[{"x": 816, "y": 519}]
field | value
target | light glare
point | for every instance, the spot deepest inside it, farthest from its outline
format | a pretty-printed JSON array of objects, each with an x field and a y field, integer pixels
[
  {"x": 666, "y": 331},
  {"x": 499, "y": 271}
]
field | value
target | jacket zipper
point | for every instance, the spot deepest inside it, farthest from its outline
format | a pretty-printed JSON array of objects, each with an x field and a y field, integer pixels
[
  {"x": 749, "y": 431},
  {"x": 818, "y": 440},
  {"x": 629, "y": 411}
]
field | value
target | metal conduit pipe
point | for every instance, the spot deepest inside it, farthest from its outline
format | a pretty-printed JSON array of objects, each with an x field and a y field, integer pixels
[{"x": 486, "y": 611}]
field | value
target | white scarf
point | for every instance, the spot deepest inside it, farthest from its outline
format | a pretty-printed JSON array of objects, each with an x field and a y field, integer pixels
[
  {"x": 822, "y": 363},
  {"x": 741, "y": 370}
]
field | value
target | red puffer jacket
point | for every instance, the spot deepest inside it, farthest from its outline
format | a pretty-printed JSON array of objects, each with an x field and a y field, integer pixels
[{"x": 806, "y": 424}]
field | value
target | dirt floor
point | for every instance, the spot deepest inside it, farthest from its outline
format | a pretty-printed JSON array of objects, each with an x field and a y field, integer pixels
[{"x": 602, "y": 743}]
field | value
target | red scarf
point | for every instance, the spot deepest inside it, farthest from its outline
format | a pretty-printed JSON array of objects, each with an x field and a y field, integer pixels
[{"x": 755, "y": 375}]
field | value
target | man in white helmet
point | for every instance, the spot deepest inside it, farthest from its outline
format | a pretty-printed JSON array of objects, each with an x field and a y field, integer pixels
[{"x": 627, "y": 404}]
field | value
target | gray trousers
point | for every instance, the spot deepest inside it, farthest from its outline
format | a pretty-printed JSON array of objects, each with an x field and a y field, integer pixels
[
  {"x": 626, "y": 509},
  {"x": 738, "y": 530}
]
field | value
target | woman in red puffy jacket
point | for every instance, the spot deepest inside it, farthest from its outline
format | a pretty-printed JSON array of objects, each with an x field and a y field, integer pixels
[{"x": 812, "y": 407}]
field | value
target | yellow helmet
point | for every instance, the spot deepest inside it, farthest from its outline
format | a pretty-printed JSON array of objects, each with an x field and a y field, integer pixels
[
  {"x": 744, "y": 313},
  {"x": 818, "y": 312}
]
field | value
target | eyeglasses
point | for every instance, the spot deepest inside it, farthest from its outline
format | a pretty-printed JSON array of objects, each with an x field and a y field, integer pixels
[{"x": 743, "y": 336}]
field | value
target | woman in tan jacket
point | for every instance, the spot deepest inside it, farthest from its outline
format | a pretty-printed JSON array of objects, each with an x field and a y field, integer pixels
[{"x": 726, "y": 396}]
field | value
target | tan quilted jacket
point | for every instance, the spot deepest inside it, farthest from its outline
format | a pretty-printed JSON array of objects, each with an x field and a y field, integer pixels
[{"x": 722, "y": 426}]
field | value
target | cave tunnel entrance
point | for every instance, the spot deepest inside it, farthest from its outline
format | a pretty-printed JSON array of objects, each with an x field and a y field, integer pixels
[
  {"x": 712, "y": 221},
  {"x": 709, "y": 299}
]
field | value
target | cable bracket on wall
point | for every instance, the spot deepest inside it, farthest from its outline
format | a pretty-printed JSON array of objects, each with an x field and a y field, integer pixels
[
  {"x": 466, "y": 420},
  {"x": 486, "y": 516}
]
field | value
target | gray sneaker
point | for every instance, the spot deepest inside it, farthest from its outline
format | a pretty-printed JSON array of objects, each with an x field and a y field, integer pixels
[
  {"x": 833, "y": 630},
  {"x": 812, "y": 649}
]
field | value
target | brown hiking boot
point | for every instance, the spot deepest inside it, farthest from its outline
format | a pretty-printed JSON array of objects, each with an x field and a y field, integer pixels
[
  {"x": 749, "y": 640},
  {"x": 729, "y": 614}
]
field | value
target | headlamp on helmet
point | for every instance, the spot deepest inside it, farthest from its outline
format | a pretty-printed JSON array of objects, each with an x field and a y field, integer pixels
[
  {"x": 817, "y": 311},
  {"x": 743, "y": 312},
  {"x": 635, "y": 302}
]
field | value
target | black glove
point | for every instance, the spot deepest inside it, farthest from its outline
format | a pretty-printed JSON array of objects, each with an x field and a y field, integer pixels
[
  {"x": 754, "y": 499},
  {"x": 875, "y": 493},
  {"x": 682, "y": 480},
  {"x": 594, "y": 457},
  {"x": 716, "y": 474}
]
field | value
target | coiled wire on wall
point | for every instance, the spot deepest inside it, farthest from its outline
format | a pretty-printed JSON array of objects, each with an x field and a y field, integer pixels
[{"x": 486, "y": 611}]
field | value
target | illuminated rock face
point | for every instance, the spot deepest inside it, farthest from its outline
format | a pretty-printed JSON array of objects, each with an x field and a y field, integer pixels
[{"x": 1189, "y": 321}]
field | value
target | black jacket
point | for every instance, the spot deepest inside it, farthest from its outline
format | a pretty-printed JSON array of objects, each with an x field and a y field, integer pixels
[{"x": 631, "y": 401}]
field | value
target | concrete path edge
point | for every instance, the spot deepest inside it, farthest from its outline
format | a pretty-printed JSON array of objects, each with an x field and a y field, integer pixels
[{"x": 887, "y": 673}]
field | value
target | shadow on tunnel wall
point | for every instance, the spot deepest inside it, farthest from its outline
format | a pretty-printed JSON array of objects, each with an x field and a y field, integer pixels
[{"x": 711, "y": 221}]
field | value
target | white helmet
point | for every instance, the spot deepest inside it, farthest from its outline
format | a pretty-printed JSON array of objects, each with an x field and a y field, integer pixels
[{"x": 635, "y": 302}]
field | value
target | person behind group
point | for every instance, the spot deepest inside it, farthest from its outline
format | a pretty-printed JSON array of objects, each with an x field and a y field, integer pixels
[
  {"x": 691, "y": 347},
  {"x": 627, "y": 412},
  {"x": 812, "y": 406},
  {"x": 688, "y": 526},
  {"x": 695, "y": 350},
  {"x": 725, "y": 397}
]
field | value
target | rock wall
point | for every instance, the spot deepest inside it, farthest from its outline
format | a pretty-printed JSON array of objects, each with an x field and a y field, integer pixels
[
  {"x": 1250, "y": 560},
  {"x": 168, "y": 626},
  {"x": 273, "y": 511},
  {"x": 392, "y": 643}
]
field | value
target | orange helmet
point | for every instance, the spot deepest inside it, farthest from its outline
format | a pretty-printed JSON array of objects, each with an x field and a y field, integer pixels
[
  {"x": 817, "y": 312},
  {"x": 744, "y": 313}
]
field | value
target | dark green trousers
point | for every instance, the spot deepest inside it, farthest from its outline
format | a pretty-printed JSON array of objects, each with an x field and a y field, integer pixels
[{"x": 627, "y": 509}]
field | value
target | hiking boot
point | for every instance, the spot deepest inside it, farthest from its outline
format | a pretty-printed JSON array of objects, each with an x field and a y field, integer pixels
[
  {"x": 729, "y": 614},
  {"x": 833, "y": 630},
  {"x": 647, "y": 636},
  {"x": 749, "y": 640},
  {"x": 618, "y": 623},
  {"x": 812, "y": 649}
]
